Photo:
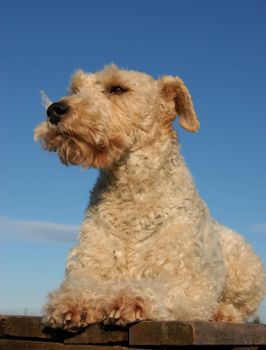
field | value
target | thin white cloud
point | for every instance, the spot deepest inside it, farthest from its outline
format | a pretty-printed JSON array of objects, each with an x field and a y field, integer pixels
[{"x": 11, "y": 229}]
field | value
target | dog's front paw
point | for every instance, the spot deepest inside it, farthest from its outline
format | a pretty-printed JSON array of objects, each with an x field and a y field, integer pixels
[
  {"x": 227, "y": 313},
  {"x": 71, "y": 313},
  {"x": 128, "y": 308}
]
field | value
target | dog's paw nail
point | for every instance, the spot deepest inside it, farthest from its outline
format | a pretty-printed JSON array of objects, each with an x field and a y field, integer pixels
[
  {"x": 138, "y": 314},
  {"x": 112, "y": 314},
  {"x": 68, "y": 317},
  {"x": 117, "y": 314}
]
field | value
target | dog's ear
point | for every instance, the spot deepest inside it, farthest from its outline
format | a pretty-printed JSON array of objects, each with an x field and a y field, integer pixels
[{"x": 174, "y": 91}]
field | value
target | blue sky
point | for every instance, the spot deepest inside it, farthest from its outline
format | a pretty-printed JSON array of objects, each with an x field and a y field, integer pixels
[{"x": 217, "y": 47}]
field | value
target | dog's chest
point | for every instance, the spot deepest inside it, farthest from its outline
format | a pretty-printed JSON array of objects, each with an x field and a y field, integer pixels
[{"x": 135, "y": 216}]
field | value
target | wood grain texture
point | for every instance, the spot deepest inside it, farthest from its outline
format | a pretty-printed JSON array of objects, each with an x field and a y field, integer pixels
[
  {"x": 11, "y": 344},
  {"x": 22, "y": 325},
  {"x": 26, "y": 332},
  {"x": 97, "y": 334},
  {"x": 161, "y": 333},
  {"x": 228, "y": 334},
  {"x": 196, "y": 333}
]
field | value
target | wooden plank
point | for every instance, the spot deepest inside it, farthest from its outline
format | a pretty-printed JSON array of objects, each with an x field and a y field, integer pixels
[
  {"x": 27, "y": 327},
  {"x": 196, "y": 333},
  {"x": 214, "y": 333},
  {"x": 145, "y": 333},
  {"x": 2, "y": 329},
  {"x": 97, "y": 334},
  {"x": 31, "y": 327},
  {"x": 161, "y": 333},
  {"x": 244, "y": 348},
  {"x": 10, "y": 344}
]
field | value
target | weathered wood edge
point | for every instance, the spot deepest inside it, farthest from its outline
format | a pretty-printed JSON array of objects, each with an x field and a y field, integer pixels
[
  {"x": 146, "y": 333},
  {"x": 171, "y": 333},
  {"x": 31, "y": 327},
  {"x": 228, "y": 333},
  {"x": 159, "y": 333},
  {"x": 13, "y": 344},
  {"x": 98, "y": 334},
  {"x": 23, "y": 326}
]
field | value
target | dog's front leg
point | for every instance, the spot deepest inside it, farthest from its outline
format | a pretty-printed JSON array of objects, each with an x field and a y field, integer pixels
[
  {"x": 96, "y": 287},
  {"x": 73, "y": 307}
]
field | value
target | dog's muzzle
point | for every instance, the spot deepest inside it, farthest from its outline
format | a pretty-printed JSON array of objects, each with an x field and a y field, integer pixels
[{"x": 56, "y": 111}]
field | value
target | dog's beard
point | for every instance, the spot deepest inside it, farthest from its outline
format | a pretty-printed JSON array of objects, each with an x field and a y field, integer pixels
[
  {"x": 69, "y": 149},
  {"x": 98, "y": 150}
]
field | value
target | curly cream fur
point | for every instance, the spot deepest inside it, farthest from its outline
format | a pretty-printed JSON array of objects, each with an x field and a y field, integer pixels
[{"x": 148, "y": 247}]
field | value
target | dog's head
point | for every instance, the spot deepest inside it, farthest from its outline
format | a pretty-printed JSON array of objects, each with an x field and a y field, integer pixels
[{"x": 109, "y": 113}]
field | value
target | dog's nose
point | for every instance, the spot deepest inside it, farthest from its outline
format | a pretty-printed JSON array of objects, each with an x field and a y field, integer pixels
[{"x": 56, "y": 111}]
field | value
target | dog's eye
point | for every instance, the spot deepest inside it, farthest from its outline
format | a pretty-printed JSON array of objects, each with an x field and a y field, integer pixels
[{"x": 117, "y": 90}]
